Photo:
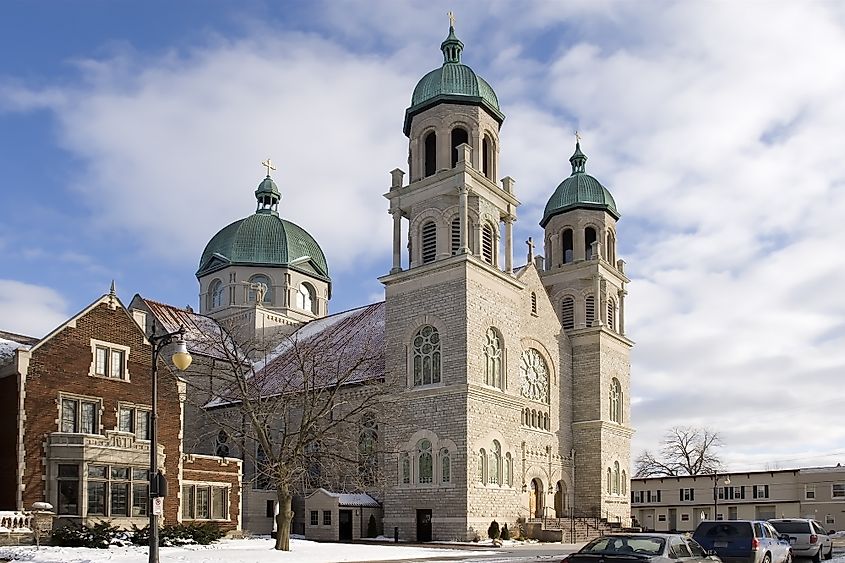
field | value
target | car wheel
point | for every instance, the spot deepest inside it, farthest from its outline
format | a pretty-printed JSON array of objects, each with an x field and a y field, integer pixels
[
  {"x": 818, "y": 556},
  {"x": 829, "y": 553},
  {"x": 788, "y": 558},
  {"x": 767, "y": 559}
]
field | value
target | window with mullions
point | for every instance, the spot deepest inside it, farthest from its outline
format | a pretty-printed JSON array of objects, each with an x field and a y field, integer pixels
[
  {"x": 109, "y": 362},
  {"x": 426, "y": 345},
  {"x": 135, "y": 420},
  {"x": 493, "y": 357},
  {"x": 68, "y": 489},
  {"x": 425, "y": 462},
  {"x": 445, "y": 466},
  {"x": 80, "y": 416},
  {"x": 205, "y": 502},
  {"x": 118, "y": 491}
]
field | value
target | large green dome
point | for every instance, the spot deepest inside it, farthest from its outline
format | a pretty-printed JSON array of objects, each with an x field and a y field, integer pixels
[
  {"x": 579, "y": 191},
  {"x": 454, "y": 82},
  {"x": 264, "y": 239}
]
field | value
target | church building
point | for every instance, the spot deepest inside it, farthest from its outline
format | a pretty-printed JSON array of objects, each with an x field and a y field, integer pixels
[{"x": 515, "y": 399}]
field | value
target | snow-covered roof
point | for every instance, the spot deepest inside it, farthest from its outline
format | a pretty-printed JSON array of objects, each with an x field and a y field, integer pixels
[
  {"x": 9, "y": 342},
  {"x": 202, "y": 333},
  {"x": 349, "y": 499}
]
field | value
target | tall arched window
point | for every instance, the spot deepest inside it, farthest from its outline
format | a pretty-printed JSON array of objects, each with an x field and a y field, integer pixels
[
  {"x": 611, "y": 314},
  {"x": 589, "y": 239},
  {"x": 426, "y": 345},
  {"x": 482, "y": 467},
  {"x": 306, "y": 298},
  {"x": 533, "y": 303},
  {"x": 430, "y": 154},
  {"x": 496, "y": 463},
  {"x": 215, "y": 294},
  {"x": 488, "y": 244},
  {"x": 567, "y": 313},
  {"x": 313, "y": 462},
  {"x": 616, "y": 477},
  {"x": 615, "y": 401},
  {"x": 455, "y": 233},
  {"x": 624, "y": 490},
  {"x": 487, "y": 155},
  {"x": 568, "y": 247},
  {"x": 590, "y": 309},
  {"x": 493, "y": 359},
  {"x": 367, "y": 456},
  {"x": 428, "y": 242},
  {"x": 507, "y": 479},
  {"x": 445, "y": 466},
  {"x": 425, "y": 464},
  {"x": 268, "y": 288},
  {"x": 459, "y": 136},
  {"x": 610, "y": 249},
  {"x": 609, "y": 481},
  {"x": 405, "y": 462}
]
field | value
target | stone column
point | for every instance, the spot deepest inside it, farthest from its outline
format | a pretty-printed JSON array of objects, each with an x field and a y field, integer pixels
[
  {"x": 597, "y": 300},
  {"x": 397, "y": 241},
  {"x": 579, "y": 244},
  {"x": 622, "y": 293},
  {"x": 462, "y": 219},
  {"x": 509, "y": 244}
]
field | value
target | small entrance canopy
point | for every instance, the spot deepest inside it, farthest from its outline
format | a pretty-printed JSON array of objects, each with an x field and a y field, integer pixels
[{"x": 331, "y": 516}]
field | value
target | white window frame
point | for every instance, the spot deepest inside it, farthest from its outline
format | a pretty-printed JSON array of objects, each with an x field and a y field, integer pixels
[
  {"x": 98, "y": 411},
  {"x": 110, "y": 348},
  {"x": 833, "y": 493},
  {"x": 809, "y": 492},
  {"x": 687, "y": 495},
  {"x": 136, "y": 409},
  {"x": 211, "y": 485}
]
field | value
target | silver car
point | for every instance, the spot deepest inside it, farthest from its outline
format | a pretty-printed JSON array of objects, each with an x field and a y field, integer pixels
[
  {"x": 807, "y": 537},
  {"x": 642, "y": 548}
]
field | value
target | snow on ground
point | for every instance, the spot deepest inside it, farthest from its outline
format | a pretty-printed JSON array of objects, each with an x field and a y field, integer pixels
[{"x": 254, "y": 550}]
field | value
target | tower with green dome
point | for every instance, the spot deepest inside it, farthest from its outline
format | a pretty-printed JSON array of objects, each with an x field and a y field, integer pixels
[{"x": 264, "y": 268}]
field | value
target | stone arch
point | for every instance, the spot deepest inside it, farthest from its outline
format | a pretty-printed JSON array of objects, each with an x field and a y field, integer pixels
[
  {"x": 561, "y": 499},
  {"x": 536, "y": 498},
  {"x": 415, "y": 325},
  {"x": 531, "y": 342}
]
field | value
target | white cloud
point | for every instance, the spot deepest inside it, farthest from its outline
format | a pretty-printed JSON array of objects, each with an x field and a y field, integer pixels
[{"x": 29, "y": 309}]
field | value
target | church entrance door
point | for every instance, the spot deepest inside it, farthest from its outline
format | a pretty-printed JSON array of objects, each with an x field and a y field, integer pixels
[
  {"x": 423, "y": 525},
  {"x": 535, "y": 499},
  {"x": 345, "y": 525}
]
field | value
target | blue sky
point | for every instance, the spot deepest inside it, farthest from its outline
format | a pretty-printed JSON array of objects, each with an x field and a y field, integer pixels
[{"x": 131, "y": 132}]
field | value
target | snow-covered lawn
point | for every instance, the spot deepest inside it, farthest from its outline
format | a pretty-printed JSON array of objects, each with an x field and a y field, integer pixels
[{"x": 254, "y": 550}]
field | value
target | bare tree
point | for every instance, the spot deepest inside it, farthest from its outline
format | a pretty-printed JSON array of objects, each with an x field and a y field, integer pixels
[
  {"x": 686, "y": 450},
  {"x": 307, "y": 413}
]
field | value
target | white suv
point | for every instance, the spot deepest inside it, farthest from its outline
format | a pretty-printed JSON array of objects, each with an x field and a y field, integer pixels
[{"x": 807, "y": 537}]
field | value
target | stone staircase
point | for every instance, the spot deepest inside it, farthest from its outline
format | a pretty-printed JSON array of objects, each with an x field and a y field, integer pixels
[{"x": 578, "y": 529}]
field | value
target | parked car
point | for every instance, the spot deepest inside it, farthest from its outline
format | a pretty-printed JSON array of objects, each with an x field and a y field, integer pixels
[
  {"x": 744, "y": 541},
  {"x": 807, "y": 537},
  {"x": 641, "y": 548}
]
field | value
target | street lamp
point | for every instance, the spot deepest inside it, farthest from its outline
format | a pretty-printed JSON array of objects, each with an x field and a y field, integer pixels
[
  {"x": 715, "y": 493},
  {"x": 181, "y": 359}
]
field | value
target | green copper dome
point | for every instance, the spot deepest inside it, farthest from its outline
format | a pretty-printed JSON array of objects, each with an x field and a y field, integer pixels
[
  {"x": 579, "y": 191},
  {"x": 455, "y": 83},
  {"x": 264, "y": 238}
]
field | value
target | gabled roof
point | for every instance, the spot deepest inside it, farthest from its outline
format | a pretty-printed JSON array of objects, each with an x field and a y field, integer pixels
[
  {"x": 349, "y": 499},
  {"x": 9, "y": 342},
  {"x": 202, "y": 333}
]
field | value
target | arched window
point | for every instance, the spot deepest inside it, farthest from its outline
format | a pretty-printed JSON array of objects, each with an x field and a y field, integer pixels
[
  {"x": 306, "y": 298},
  {"x": 405, "y": 462},
  {"x": 215, "y": 294},
  {"x": 426, "y": 345},
  {"x": 590, "y": 309},
  {"x": 616, "y": 477},
  {"x": 487, "y": 156},
  {"x": 545, "y": 421},
  {"x": 428, "y": 234},
  {"x": 425, "y": 464},
  {"x": 533, "y": 418},
  {"x": 568, "y": 247},
  {"x": 508, "y": 468},
  {"x": 493, "y": 357},
  {"x": 611, "y": 314},
  {"x": 589, "y": 239},
  {"x": 456, "y": 235},
  {"x": 495, "y": 463},
  {"x": 222, "y": 448},
  {"x": 430, "y": 154},
  {"x": 615, "y": 401},
  {"x": 609, "y": 481},
  {"x": 253, "y": 289},
  {"x": 445, "y": 466},
  {"x": 535, "y": 376},
  {"x": 367, "y": 458},
  {"x": 313, "y": 463},
  {"x": 624, "y": 490},
  {"x": 567, "y": 313},
  {"x": 611, "y": 248},
  {"x": 488, "y": 244},
  {"x": 482, "y": 466},
  {"x": 533, "y": 303},
  {"x": 459, "y": 136}
]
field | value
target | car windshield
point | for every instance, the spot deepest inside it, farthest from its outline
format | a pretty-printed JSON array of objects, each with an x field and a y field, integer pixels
[
  {"x": 648, "y": 545},
  {"x": 723, "y": 530},
  {"x": 794, "y": 527}
]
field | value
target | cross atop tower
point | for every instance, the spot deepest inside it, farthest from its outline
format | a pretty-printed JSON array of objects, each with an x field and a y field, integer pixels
[
  {"x": 268, "y": 164},
  {"x": 451, "y": 18},
  {"x": 577, "y": 137},
  {"x": 530, "y": 243}
]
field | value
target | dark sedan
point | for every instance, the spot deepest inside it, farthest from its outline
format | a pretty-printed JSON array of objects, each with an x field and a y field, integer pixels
[{"x": 639, "y": 548}]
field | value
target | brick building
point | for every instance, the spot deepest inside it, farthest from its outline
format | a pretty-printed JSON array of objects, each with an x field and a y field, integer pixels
[{"x": 75, "y": 427}]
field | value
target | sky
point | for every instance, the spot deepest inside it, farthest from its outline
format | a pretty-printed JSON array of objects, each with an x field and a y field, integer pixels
[{"x": 130, "y": 133}]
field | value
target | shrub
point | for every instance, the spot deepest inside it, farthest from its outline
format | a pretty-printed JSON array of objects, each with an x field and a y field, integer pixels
[
  {"x": 506, "y": 535},
  {"x": 493, "y": 530},
  {"x": 101, "y": 535},
  {"x": 179, "y": 534},
  {"x": 372, "y": 529}
]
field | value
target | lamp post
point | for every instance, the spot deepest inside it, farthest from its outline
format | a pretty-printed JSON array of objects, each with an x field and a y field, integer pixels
[
  {"x": 716, "y": 491},
  {"x": 181, "y": 359}
]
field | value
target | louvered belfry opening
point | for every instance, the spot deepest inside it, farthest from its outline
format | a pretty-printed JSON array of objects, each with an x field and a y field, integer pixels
[
  {"x": 487, "y": 244},
  {"x": 590, "y": 308},
  {"x": 567, "y": 313},
  {"x": 456, "y": 236},
  {"x": 429, "y": 242}
]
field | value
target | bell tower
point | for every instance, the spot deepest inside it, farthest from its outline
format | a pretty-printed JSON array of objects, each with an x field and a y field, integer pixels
[{"x": 587, "y": 286}]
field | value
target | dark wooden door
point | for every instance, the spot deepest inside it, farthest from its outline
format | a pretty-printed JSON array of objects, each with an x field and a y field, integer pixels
[
  {"x": 345, "y": 525},
  {"x": 423, "y": 525}
]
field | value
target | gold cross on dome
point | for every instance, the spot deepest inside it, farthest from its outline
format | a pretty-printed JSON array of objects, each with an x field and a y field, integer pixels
[
  {"x": 268, "y": 164},
  {"x": 577, "y": 137},
  {"x": 451, "y": 18}
]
